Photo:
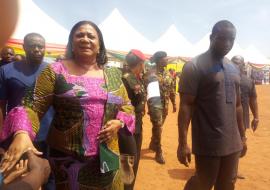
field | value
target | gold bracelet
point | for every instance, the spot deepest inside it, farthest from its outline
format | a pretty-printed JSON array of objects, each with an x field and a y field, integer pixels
[{"x": 20, "y": 132}]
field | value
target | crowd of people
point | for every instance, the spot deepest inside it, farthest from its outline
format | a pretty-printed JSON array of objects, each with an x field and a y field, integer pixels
[{"x": 77, "y": 124}]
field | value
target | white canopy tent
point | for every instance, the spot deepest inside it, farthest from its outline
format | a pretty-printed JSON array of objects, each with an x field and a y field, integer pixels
[
  {"x": 174, "y": 43},
  {"x": 236, "y": 50},
  {"x": 119, "y": 35},
  {"x": 201, "y": 46},
  {"x": 33, "y": 19},
  {"x": 253, "y": 55}
]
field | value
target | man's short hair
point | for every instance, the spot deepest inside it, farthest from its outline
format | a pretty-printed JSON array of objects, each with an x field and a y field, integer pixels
[
  {"x": 27, "y": 37},
  {"x": 221, "y": 24}
]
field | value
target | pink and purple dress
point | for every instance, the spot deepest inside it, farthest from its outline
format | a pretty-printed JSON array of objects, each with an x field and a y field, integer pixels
[{"x": 82, "y": 106}]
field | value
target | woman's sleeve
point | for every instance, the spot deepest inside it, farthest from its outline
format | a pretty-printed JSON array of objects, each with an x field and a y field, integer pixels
[
  {"x": 126, "y": 112},
  {"x": 34, "y": 105}
]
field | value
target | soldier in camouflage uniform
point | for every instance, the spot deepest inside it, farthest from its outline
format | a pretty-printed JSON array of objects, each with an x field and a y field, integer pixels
[
  {"x": 135, "y": 87},
  {"x": 159, "y": 114}
]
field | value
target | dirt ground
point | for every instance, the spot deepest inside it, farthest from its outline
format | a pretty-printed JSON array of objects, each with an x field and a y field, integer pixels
[{"x": 255, "y": 166}]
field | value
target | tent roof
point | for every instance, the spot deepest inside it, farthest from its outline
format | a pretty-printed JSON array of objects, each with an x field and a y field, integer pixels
[
  {"x": 201, "y": 46},
  {"x": 173, "y": 42},
  {"x": 253, "y": 55},
  {"x": 120, "y": 35},
  {"x": 236, "y": 50},
  {"x": 33, "y": 19}
]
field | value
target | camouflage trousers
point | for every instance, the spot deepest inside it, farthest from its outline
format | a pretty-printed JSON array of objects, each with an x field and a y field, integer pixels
[
  {"x": 157, "y": 117},
  {"x": 172, "y": 98}
]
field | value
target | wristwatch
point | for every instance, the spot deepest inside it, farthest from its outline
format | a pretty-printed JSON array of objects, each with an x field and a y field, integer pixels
[{"x": 122, "y": 123}]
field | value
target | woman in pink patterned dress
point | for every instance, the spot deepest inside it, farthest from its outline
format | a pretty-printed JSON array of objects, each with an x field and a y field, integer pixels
[{"x": 92, "y": 109}]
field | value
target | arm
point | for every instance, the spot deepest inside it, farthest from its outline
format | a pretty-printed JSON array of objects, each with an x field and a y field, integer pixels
[
  {"x": 188, "y": 84},
  {"x": 173, "y": 93},
  {"x": 126, "y": 111},
  {"x": 240, "y": 123},
  {"x": 124, "y": 117},
  {"x": 135, "y": 90},
  {"x": 254, "y": 107},
  {"x": 27, "y": 118},
  {"x": 184, "y": 117},
  {"x": 17, "y": 185},
  {"x": 239, "y": 114},
  {"x": 39, "y": 170},
  {"x": 34, "y": 105},
  {"x": 130, "y": 84},
  {"x": 2, "y": 113},
  {"x": 3, "y": 98}
]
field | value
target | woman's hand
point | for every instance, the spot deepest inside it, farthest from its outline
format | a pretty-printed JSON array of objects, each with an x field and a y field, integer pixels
[
  {"x": 20, "y": 144},
  {"x": 20, "y": 169},
  {"x": 109, "y": 130}
]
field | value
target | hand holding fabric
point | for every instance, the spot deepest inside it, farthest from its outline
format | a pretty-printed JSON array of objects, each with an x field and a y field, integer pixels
[{"x": 109, "y": 130}]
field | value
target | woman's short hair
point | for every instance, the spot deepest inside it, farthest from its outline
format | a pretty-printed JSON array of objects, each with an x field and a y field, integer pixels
[{"x": 102, "y": 55}]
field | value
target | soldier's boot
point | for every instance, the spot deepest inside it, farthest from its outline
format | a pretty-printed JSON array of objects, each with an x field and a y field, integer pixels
[
  {"x": 152, "y": 146},
  {"x": 159, "y": 155}
]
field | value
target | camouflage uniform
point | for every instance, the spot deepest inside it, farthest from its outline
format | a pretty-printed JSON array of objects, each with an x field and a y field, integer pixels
[
  {"x": 166, "y": 86},
  {"x": 137, "y": 95},
  {"x": 158, "y": 113},
  {"x": 172, "y": 92}
]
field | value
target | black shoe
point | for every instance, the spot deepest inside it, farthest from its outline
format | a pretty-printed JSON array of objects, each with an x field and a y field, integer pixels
[{"x": 159, "y": 158}]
